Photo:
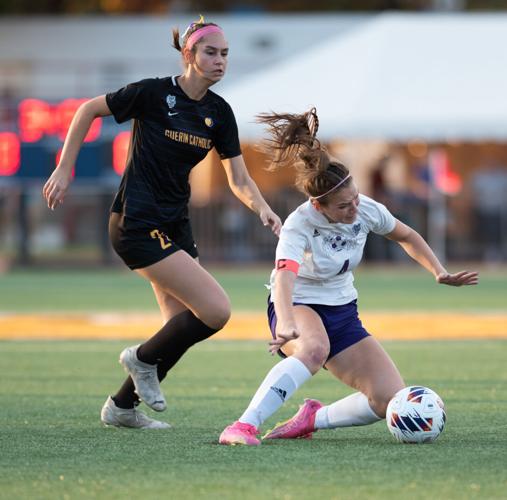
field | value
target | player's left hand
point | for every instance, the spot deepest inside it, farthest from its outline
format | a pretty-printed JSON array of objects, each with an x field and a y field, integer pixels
[
  {"x": 281, "y": 339},
  {"x": 269, "y": 218},
  {"x": 458, "y": 279}
]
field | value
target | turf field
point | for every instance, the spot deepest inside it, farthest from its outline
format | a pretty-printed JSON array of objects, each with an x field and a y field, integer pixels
[
  {"x": 393, "y": 304},
  {"x": 54, "y": 447},
  {"x": 392, "y": 289}
]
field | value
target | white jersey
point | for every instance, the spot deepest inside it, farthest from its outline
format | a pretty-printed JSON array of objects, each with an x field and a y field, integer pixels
[{"x": 328, "y": 252}]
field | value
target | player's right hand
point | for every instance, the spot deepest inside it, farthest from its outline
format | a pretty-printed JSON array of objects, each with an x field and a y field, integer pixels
[{"x": 56, "y": 187}]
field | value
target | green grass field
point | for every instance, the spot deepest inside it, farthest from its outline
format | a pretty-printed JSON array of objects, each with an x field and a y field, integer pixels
[
  {"x": 53, "y": 446},
  {"x": 393, "y": 289}
]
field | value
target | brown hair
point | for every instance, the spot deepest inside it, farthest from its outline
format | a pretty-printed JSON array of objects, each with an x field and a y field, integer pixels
[
  {"x": 191, "y": 29},
  {"x": 294, "y": 143}
]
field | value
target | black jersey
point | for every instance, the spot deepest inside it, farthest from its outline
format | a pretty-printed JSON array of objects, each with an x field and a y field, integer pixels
[{"x": 171, "y": 134}]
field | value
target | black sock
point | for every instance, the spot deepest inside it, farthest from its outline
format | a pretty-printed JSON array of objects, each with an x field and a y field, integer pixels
[
  {"x": 165, "y": 348},
  {"x": 126, "y": 397},
  {"x": 173, "y": 339}
]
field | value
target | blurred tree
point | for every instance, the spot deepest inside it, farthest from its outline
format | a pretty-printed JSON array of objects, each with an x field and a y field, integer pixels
[
  {"x": 162, "y": 6},
  {"x": 83, "y": 6},
  {"x": 303, "y": 6},
  {"x": 344, "y": 5}
]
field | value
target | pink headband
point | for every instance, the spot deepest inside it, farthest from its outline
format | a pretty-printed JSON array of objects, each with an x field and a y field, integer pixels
[
  {"x": 198, "y": 34},
  {"x": 332, "y": 189}
]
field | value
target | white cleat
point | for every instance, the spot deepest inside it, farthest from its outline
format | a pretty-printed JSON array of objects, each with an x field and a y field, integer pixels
[
  {"x": 145, "y": 379},
  {"x": 111, "y": 415}
]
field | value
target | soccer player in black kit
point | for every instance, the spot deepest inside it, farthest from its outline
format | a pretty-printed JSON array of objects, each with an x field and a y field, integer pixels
[{"x": 177, "y": 121}]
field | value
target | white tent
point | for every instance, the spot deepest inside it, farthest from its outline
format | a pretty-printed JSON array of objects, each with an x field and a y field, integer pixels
[
  {"x": 398, "y": 77},
  {"x": 53, "y": 57}
]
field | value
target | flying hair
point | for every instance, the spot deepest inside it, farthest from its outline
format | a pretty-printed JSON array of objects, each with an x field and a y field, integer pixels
[
  {"x": 292, "y": 135},
  {"x": 293, "y": 142}
]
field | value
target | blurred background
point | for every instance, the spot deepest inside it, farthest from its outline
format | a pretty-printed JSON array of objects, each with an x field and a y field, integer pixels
[{"x": 411, "y": 96}]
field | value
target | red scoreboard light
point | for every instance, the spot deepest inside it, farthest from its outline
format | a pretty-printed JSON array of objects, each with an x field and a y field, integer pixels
[
  {"x": 10, "y": 156},
  {"x": 38, "y": 118},
  {"x": 34, "y": 119},
  {"x": 120, "y": 151},
  {"x": 29, "y": 148}
]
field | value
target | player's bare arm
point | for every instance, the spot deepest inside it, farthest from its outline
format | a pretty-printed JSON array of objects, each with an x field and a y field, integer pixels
[
  {"x": 56, "y": 187},
  {"x": 415, "y": 246},
  {"x": 245, "y": 189}
]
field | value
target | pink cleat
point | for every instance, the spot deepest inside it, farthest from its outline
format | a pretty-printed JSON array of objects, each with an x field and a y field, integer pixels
[
  {"x": 301, "y": 425},
  {"x": 239, "y": 433}
]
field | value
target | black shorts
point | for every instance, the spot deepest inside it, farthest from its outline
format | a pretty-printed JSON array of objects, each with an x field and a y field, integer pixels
[{"x": 140, "y": 248}]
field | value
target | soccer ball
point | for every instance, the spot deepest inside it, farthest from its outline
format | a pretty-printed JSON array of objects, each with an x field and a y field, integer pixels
[{"x": 416, "y": 415}]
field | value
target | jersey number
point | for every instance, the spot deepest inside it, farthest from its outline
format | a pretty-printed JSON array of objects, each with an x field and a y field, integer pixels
[
  {"x": 164, "y": 240},
  {"x": 344, "y": 267}
]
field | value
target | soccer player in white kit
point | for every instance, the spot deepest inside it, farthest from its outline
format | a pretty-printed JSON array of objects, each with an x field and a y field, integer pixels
[{"x": 312, "y": 309}]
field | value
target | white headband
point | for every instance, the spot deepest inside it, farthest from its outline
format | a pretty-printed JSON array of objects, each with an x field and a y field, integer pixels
[{"x": 332, "y": 189}]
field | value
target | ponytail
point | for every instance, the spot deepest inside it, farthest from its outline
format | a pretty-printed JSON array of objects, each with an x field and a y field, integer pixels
[
  {"x": 292, "y": 136},
  {"x": 176, "y": 39},
  {"x": 293, "y": 142}
]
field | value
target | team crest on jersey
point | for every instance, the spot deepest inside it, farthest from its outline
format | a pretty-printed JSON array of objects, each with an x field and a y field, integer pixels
[
  {"x": 336, "y": 243},
  {"x": 356, "y": 228},
  {"x": 208, "y": 121},
  {"x": 171, "y": 101}
]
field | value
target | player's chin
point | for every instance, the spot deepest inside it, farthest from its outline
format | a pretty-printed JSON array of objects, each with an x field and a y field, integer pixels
[{"x": 216, "y": 76}]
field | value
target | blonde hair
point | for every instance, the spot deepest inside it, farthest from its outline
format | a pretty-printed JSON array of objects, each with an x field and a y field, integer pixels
[{"x": 293, "y": 142}]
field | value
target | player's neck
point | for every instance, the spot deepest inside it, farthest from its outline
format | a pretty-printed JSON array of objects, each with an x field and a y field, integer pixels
[{"x": 193, "y": 86}]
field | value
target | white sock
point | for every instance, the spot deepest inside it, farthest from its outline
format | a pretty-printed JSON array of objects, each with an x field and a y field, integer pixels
[
  {"x": 350, "y": 411},
  {"x": 278, "y": 386}
]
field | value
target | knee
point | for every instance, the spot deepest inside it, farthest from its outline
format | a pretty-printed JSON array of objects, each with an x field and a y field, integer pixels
[
  {"x": 221, "y": 317},
  {"x": 314, "y": 356},
  {"x": 217, "y": 315}
]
